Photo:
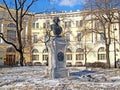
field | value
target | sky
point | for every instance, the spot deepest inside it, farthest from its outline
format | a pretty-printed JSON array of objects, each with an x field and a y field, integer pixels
[
  {"x": 41, "y": 6},
  {"x": 58, "y": 5}
]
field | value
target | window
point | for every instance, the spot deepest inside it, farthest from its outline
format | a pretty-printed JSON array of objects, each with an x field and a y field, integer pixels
[
  {"x": 45, "y": 51},
  {"x": 79, "y": 36},
  {"x": 35, "y": 57},
  {"x": 45, "y": 57},
  {"x": 67, "y": 24},
  {"x": 69, "y": 57},
  {"x": 79, "y": 57},
  {"x": 37, "y": 25},
  {"x": 33, "y": 25},
  {"x": 68, "y": 54},
  {"x": 101, "y": 36},
  {"x": 11, "y": 35},
  {"x": 35, "y": 54},
  {"x": 101, "y": 54},
  {"x": 11, "y": 25},
  {"x": 10, "y": 49},
  {"x": 79, "y": 23},
  {"x": 68, "y": 36},
  {"x": 45, "y": 54},
  {"x": 34, "y": 51},
  {"x": 98, "y": 25},
  {"x": 46, "y": 24},
  {"x": 79, "y": 54},
  {"x": 35, "y": 38}
]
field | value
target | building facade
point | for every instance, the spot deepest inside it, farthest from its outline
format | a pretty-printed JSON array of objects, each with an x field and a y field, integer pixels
[
  {"x": 83, "y": 44},
  {"x": 8, "y": 54}
]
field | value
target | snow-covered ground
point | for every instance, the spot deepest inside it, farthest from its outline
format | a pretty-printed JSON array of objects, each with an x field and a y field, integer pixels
[{"x": 37, "y": 78}]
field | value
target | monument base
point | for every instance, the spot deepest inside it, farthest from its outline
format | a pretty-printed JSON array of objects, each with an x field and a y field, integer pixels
[
  {"x": 57, "y": 60},
  {"x": 60, "y": 73}
]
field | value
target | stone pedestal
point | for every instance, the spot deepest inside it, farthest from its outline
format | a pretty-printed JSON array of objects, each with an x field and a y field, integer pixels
[{"x": 57, "y": 62}]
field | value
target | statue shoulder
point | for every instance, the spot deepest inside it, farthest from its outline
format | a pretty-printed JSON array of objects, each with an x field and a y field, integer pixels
[{"x": 53, "y": 25}]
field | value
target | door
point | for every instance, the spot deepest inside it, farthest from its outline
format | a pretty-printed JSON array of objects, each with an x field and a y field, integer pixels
[{"x": 10, "y": 59}]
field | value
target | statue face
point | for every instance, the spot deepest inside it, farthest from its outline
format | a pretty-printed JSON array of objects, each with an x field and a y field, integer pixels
[{"x": 56, "y": 19}]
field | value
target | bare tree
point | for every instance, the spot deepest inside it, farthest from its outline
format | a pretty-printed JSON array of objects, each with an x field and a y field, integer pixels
[
  {"x": 104, "y": 12},
  {"x": 21, "y": 8}
]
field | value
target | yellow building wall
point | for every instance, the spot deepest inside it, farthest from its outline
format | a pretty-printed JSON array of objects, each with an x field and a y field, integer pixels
[
  {"x": 6, "y": 19},
  {"x": 90, "y": 39}
]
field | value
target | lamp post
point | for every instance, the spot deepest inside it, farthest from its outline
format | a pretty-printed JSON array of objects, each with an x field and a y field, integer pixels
[{"x": 115, "y": 49}]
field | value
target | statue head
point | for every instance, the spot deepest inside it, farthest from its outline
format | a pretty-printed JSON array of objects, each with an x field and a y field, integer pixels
[
  {"x": 57, "y": 29},
  {"x": 56, "y": 20}
]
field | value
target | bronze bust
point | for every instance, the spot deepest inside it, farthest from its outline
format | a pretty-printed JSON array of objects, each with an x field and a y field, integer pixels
[{"x": 57, "y": 29}]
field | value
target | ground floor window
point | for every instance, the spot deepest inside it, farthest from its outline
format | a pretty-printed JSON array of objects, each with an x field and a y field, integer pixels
[
  {"x": 80, "y": 54},
  {"x": 101, "y": 53},
  {"x": 79, "y": 57},
  {"x": 101, "y": 56},
  {"x": 35, "y": 57},
  {"x": 68, "y": 54},
  {"x": 69, "y": 57},
  {"x": 45, "y": 57}
]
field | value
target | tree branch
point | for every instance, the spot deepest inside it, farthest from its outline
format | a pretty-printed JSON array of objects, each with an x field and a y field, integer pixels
[
  {"x": 28, "y": 7},
  {"x": 2, "y": 36},
  {"x": 21, "y": 3},
  {"x": 9, "y": 10}
]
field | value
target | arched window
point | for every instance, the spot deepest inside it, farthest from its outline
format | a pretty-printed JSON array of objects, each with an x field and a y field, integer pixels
[
  {"x": 68, "y": 50},
  {"x": 45, "y": 54},
  {"x": 101, "y": 53},
  {"x": 79, "y": 54},
  {"x": 45, "y": 51},
  {"x": 68, "y": 54},
  {"x": 11, "y": 35},
  {"x": 11, "y": 25},
  {"x": 35, "y": 54},
  {"x": 10, "y": 50},
  {"x": 34, "y": 51}
]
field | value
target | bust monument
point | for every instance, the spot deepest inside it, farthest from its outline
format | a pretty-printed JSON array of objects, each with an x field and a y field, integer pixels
[
  {"x": 57, "y": 47},
  {"x": 56, "y": 28}
]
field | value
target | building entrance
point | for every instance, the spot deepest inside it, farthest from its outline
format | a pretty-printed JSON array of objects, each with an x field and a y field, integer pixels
[{"x": 10, "y": 56}]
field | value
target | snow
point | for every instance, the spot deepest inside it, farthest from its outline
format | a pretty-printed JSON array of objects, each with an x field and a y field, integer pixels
[{"x": 37, "y": 78}]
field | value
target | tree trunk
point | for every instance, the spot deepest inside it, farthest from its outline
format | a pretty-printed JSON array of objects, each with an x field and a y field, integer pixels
[
  {"x": 107, "y": 56},
  {"x": 21, "y": 58},
  {"x": 85, "y": 56}
]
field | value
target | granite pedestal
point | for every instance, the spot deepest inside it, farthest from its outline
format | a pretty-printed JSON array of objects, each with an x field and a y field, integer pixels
[{"x": 57, "y": 62}]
